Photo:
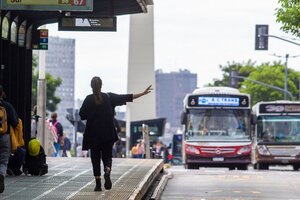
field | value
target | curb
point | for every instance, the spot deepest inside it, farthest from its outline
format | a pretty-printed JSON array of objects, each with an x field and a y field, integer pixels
[
  {"x": 161, "y": 186},
  {"x": 143, "y": 186}
]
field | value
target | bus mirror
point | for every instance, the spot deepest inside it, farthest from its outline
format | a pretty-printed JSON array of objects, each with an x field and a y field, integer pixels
[{"x": 183, "y": 118}]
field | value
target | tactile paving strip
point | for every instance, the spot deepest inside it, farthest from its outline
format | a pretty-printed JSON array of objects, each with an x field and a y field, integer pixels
[{"x": 72, "y": 178}]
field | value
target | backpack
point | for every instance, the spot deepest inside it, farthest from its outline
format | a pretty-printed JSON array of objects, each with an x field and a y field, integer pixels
[{"x": 3, "y": 119}]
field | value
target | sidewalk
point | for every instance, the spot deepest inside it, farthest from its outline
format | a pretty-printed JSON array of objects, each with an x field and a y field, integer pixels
[{"x": 72, "y": 178}]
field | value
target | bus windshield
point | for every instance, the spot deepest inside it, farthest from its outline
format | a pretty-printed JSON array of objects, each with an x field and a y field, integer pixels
[
  {"x": 278, "y": 129},
  {"x": 218, "y": 124}
]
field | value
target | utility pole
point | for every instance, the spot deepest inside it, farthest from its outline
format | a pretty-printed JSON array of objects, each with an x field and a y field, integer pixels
[
  {"x": 286, "y": 75},
  {"x": 287, "y": 56}
]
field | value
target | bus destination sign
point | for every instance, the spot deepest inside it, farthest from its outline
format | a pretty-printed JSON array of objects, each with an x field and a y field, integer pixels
[
  {"x": 47, "y": 5},
  {"x": 218, "y": 101},
  {"x": 279, "y": 108}
]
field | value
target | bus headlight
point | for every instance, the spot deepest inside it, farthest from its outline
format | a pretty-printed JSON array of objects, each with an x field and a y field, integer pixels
[
  {"x": 192, "y": 150},
  {"x": 262, "y": 149},
  {"x": 244, "y": 149}
]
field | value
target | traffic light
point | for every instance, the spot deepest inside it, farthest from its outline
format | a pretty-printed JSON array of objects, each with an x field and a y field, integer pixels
[
  {"x": 261, "y": 37},
  {"x": 73, "y": 117},
  {"x": 70, "y": 115},
  {"x": 232, "y": 79}
]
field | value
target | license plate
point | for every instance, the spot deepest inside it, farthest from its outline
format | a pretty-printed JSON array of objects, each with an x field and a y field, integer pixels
[{"x": 218, "y": 159}]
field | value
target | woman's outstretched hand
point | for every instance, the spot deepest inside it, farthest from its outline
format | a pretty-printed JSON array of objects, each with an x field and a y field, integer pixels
[{"x": 148, "y": 90}]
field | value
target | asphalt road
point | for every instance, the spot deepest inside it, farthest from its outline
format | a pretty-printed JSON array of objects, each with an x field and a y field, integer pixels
[{"x": 221, "y": 184}]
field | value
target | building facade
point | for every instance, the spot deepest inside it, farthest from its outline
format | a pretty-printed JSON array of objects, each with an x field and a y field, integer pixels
[
  {"x": 60, "y": 62},
  {"x": 171, "y": 89}
]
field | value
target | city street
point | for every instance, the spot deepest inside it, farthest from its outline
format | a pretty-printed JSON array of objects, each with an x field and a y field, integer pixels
[{"x": 221, "y": 184}]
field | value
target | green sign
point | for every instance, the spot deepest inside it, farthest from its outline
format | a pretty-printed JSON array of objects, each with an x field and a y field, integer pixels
[{"x": 47, "y": 5}]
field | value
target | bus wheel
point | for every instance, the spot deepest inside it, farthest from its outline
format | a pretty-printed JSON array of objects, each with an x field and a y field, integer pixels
[
  {"x": 296, "y": 167},
  {"x": 232, "y": 168},
  {"x": 242, "y": 167}
]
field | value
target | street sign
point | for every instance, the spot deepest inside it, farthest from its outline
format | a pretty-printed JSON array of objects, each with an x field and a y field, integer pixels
[
  {"x": 261, "y": 37},
  {"x": 47, "y": 5},
  {"x": 41, "y": 40},
  {"x": 87, "y": 24}
]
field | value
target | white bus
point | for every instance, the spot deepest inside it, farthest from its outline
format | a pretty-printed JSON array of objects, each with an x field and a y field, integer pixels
[
  {"x": 277, "y": 134},
  {"x": 216, "y": 123}
]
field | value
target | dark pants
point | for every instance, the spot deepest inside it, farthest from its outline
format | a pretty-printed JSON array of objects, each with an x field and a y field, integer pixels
[{"x": 104, "y": 152}]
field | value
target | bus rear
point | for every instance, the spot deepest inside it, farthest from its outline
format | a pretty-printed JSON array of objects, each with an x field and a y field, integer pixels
[
  {"x": 216, "y": 129},
  {"x": 277, "y": 134}
]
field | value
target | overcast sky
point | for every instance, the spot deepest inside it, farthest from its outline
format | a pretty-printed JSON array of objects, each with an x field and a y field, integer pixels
[{"x": 198, "y": 35}]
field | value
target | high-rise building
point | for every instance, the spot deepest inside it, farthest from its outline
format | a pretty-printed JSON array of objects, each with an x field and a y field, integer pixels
[
  {"x": 60, "y": 62},
  {"x": 171, "y": 89}
]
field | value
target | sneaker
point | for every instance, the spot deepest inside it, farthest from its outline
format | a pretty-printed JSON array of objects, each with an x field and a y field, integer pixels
[
  {"x": 18, "y": 172},
  {"x": 1, "y": 183},
  {"x": 107, "y": 184},
  {"x": 9, "y": 172}
]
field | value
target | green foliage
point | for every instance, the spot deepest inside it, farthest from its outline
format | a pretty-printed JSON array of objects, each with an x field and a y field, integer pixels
[
  {"x": 242, "y": 69},
  {"x": 289, "y": 16},
  {"x": 271, "y": 74},
  {"x": 51, "y": 85}
]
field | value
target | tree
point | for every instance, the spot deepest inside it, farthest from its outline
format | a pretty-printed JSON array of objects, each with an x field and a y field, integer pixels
[
  {"x": 289, "y": 16},
  {"x": 242, "y": 69},
  {"x": 271, "y": 74},
  {"x": 51, "y": 85}
]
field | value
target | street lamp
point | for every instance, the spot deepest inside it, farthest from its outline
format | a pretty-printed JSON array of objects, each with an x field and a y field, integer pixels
[{"x": 261, "y": 43}]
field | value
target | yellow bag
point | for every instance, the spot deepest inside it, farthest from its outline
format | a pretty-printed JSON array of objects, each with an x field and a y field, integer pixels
[
  {"x": 16, "y": 136},
  {"x": 3, "y": 120}
]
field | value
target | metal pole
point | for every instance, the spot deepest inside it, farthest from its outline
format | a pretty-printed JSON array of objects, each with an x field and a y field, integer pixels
[
  {"x": 42, "y": 95},
  {"x": 146, "y": 140},
  {"x": 286, "y": 75}
]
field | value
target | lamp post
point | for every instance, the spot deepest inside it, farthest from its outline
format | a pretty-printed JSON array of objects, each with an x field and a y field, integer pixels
[
  {"x": 287, "y": 56},
  {"x": 286, "y": 75}
]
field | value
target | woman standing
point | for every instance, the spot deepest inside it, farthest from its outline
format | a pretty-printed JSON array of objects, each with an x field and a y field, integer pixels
[{"x": 100, "y": 133}]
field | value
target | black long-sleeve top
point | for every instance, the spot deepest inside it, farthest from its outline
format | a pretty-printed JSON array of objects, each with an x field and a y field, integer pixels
[{"x": 100, "y": 127}]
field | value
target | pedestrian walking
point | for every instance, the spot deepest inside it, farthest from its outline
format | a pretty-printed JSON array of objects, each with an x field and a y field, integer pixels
[
  {"x": 66, "y": 147},
  {"x": 58, "y": 132},
  {"x": 8, "y": 117},
  {"x": 100, "y": 132}
]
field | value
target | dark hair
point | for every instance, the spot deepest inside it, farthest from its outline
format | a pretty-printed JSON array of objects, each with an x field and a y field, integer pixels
[
  {"x": 54, "y": 116},
  {"x": 96, "y": 84}
]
